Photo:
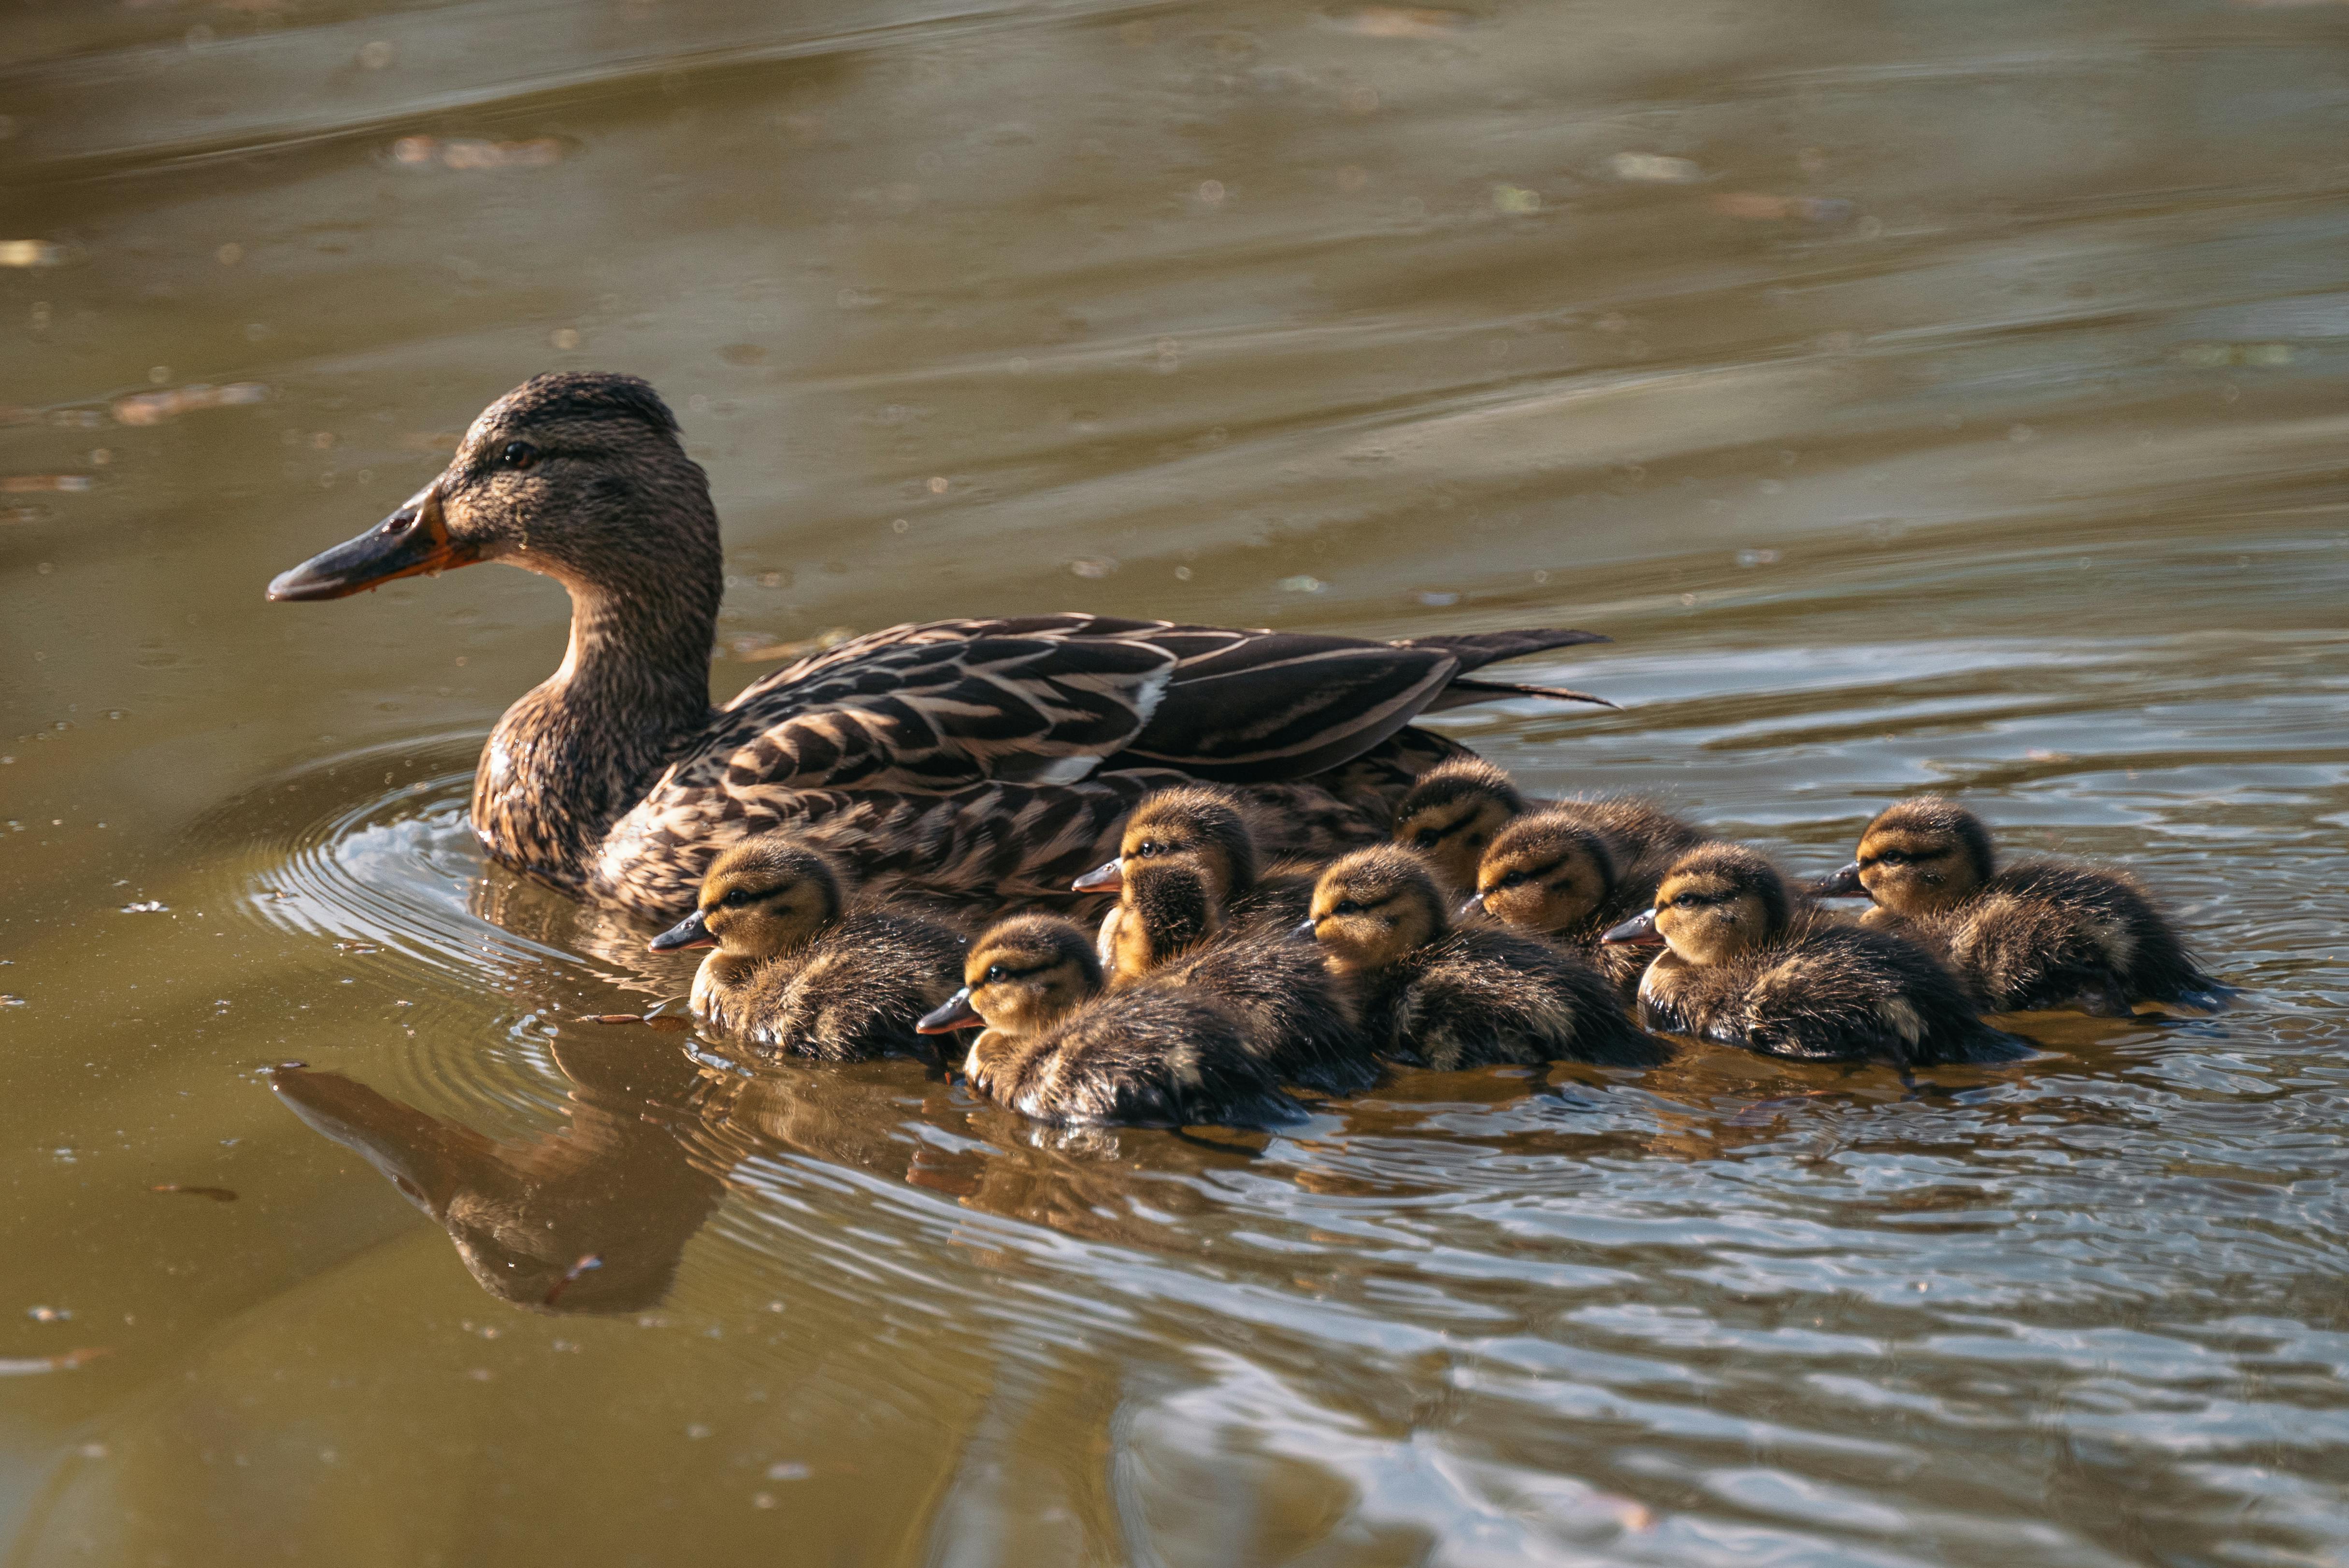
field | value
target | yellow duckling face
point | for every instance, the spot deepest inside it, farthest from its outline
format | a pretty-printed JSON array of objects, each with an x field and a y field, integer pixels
[
  {"x": 1544, "y": 873},
  {"x": 1022, "y": 975},
  {"x": 1917, "y": 857},
  {"x": 1197, "y": 829},
  {"x": 1719, "y": 901},
  {"x": 1452, "y": 814},
  {"x": 1372, "y": 907},
  {"x": 762, "y": 899}
]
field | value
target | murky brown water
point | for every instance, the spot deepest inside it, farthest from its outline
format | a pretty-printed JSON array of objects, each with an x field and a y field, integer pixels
[{"x": 1923, "y": 396}]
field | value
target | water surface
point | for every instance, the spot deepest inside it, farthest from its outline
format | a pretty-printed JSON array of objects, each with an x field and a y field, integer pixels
[{"x": 1922, "y": 396}]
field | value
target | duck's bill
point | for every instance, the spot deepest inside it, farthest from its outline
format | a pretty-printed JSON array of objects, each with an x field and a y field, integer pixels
[
  {"x": 691, "y": 932},
  {"x": 1845, "y": 883},
  {"x": 1470, "y": 908},
  {"x": 1639, "y": 931},
  {"x": 412, "y": 540},
  {"x": 1303, "y": 930},
  {"x": 954, "y": 1012},
  {"x": 1110, "y": 878}
]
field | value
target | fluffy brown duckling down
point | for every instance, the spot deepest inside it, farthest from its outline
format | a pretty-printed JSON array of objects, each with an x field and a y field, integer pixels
[
  {"x": 1748, "y": 963},
  {"x": 1453, "y": 813},
  {"x": 1575, "y": 869},
  {"x": 1172, "y": 923},
  {"x": 1466, "y": 997},
  {"x": 797, "y": 971},
  {"x": 2033, "y": 934},
  {"x": 1058, "y": 1047}
]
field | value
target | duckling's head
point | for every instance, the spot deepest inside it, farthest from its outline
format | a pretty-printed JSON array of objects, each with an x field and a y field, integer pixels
[
  {"x": 1451, "y": 813},
  {"x": 1918, "y": 856},
  {"x": 1372, "y": 907},
  {"x": 1193, "y": 827},
  {"x": 1717, "y": 901},
  {"x": 1021, "y": 975},
  {"x": 578, "y": 474},
  {"x": 1545, "y": 872},
  {"x": 761, "y": 898}
]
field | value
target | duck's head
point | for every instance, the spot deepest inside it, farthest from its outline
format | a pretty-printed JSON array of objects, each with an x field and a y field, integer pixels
[
  {"x": 1022, "y": 974},
  {"x": 1375, "y": 905},
  {"x": 578, "y": 474},
  {"x": 1916, "y": 857},
  {"x": 1717, "y": 901},
  {"x": 1545, "y": 872},
  {"x": 1198, "y": 830},
  {"x": 1451, "y": 813},
  {"x": 763, "y": 897}
]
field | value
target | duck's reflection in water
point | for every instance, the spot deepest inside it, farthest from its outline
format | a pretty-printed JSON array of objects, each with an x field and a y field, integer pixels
[
  {"x": 614, "y": 1185},
  {"x": 653, "y": 1136}
]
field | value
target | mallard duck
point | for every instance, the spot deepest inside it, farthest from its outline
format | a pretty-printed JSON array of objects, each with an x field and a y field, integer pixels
[
  {"x": 2034, "y": 934},
  {"x": 1576, "y": 868},
  {"x": 798, "y": 972},
  {"x": 1748, "y": 963},
  {"x": 1450, "y": 814},
  {"x": 615, "y": 779},
  {"x": 1058, "y": 1047},
  {"x": 1172, "y": 922},
  {"x": 1465, "y": 998}
]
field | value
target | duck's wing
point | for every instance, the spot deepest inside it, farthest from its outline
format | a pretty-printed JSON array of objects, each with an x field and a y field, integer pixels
[
  {"x": 1248, "y": 707},
  {"x": 941, "y": 706}
]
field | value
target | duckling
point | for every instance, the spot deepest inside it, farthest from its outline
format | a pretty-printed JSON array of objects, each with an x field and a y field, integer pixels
[
  {"x": 1058, "y": 1047},
  {"x": 1748, "y": 964},
  {"x": 1169, "y": 922},
  {"x": 1576, "y": 867},
  {"x": 1459, "y": 998},
  {"x": 797, "y": 973},
  {"x": 2037, "y": 934},
  {"x": 1206, "y": 830},
  {"x": 1452, "y": 812}
]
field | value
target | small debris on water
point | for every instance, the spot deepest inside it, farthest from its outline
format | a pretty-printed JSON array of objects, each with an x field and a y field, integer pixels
[
  {"x": 19, "y": 1366},
  {"x": 217, "y": 1194},
  {"x": 470, "y": 152},
  {"x": 155, "y": 407},
  {"x": 1094, "y": 567},
  {"x": 31, "y": 253},
  {"x": 1402, "y": 22},
  {"x": 1516, "y": 198},
  {"x": 25, "y": 484},
  {"x": 47, "y": 1313},
  {"x": 587, "y": 1264},
  {"x": 1655, "y": 169},
  {"x": 789, "y": 1469},
  {"x": 1301, "y": 584},
  {"x": 1758, "y": 558},
  {"x": 147, "y": 906}
]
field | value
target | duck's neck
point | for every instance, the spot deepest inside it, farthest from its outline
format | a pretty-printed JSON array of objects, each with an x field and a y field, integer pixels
[{"x": 582, "y": 747}]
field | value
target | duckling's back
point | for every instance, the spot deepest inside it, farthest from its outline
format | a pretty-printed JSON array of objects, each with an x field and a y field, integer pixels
[
  {"x": 1290, "y": 1012},
  {"x": 856, "y": 992},
  {"x": 2049, "y": 933},
  {"x": 1149, "y": 1053},
  {"x": 1479, "y": 996}
]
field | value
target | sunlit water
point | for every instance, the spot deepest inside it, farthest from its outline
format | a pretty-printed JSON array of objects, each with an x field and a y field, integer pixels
[{"x": 1922, "y": 399}]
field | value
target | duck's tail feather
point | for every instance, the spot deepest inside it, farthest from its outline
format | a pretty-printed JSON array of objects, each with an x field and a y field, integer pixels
[
  {"x": 1464, "y": 691},
  {"x": 1475, "y": 650}
]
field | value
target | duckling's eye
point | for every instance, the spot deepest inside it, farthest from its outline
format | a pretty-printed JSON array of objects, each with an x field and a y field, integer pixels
[
  {"x": 1514, "y": 879},
  {"x": 738, "y": 898},
  {"x": 1346, "y": 906},
  {"x": 518, "y": 455},
  {"x": 1147, "y": 848},
  {"x": 1426, "y": 839},
  {"x": 994, "y": 973}
]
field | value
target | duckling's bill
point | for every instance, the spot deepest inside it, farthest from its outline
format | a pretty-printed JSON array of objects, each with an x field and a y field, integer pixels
[
  {"x": 954, "y": 1012},
  {"x": 1639, "y": 930},
  {"x": 1109, "y": 877},
  {"x": 1845, "y": 883},
  {"x": 413, "y": 539},
  {"x": 691, "y": 932}
]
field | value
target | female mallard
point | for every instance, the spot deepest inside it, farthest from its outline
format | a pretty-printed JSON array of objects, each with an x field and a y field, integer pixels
[
  {"x": 1466, "y": 997},
  {"x": 2034, "y": 934},
  {"x": 957, "y": 754},
  {"x": 1748, "y": 963},
  {"x": 1058, "y": 1047},
  {"x": 799, "y": 971}
]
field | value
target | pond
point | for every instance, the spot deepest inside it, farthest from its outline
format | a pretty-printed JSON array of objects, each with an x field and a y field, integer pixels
[{"x": 1920, "y": 397}]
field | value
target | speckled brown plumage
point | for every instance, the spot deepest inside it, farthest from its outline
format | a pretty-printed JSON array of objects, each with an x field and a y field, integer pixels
[
  {"x": 2036, "y": 934},
  {"x": 1460, "y": 999},
  {"x": 1059, "y": 1048},
  {"x": 1751, "y": 965},
  {"x": 615, "y": 779}
]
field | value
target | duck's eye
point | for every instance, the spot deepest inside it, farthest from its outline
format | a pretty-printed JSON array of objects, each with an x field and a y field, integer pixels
[
  {"x": 1426, "y": 839},
  {"x": 1346, "y": 906},
  {"x": 994, "y": 973},
  {"x": 518, "y": 455},
  {"x": 1514, "y": 879}
]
